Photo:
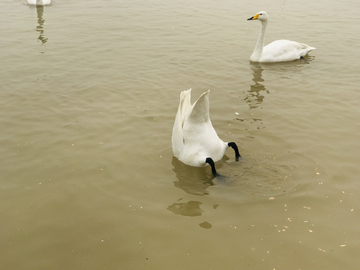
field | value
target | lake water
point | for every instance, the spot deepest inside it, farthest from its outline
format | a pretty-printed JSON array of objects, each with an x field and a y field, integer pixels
[{"x": 88, "y": 96}]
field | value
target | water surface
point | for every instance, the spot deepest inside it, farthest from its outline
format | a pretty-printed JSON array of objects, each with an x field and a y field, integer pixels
[{"x": 88, "y": 96}]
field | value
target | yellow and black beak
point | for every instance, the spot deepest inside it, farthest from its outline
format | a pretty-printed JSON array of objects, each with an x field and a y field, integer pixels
[{"x": 255, "y": 17}]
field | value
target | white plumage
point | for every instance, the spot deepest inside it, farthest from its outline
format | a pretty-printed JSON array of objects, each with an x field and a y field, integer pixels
[
  {"x": 39, "y": 2},
  {"x": 194, "y": 139},
  {"x": 279, "y": 50}
]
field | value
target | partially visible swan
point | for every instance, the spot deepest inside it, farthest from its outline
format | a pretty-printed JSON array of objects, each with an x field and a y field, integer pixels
[
  {"x": 279, "y": 50},
  {"x": 194, "y": 139},
  {"x": 39, "y": 2}
]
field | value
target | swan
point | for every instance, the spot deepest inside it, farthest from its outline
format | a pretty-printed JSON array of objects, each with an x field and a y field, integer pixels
[
  {"x": 39, "y": 2},
  {"x": 279, "y": 50},
  {"x": 194, "y": 139}
]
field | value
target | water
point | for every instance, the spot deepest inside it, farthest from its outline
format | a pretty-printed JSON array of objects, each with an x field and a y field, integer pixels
[{"x": 88, "y": 96}]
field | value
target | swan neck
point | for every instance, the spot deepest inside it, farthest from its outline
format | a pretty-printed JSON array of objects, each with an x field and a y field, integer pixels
[{"x": 260, "y": 42}]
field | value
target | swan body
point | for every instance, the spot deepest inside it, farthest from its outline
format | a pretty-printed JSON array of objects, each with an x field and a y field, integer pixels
[
  {"x": 39, "y": 2},
  {"x": 194, "y": 139},
  {"x": 279, "y": 50}
]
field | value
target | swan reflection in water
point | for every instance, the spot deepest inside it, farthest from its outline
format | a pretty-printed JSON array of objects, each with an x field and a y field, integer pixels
[
  {"x": 255, "y": 96},
  {"x": 192, "y": 180},
  {"x": 39, "y": 5},
  {"x": 40, "y": 27},
  {"x": 189, "y": 209}
]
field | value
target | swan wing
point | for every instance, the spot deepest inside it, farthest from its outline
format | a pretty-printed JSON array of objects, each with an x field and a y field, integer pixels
[
  {"x": 284, "y": 50},
  {"x": 197, "y": 127},
  {"x": 200, "y": 138},
  {"x": 200, "y": 110},
  {"x": 185, "y": 105},
  {"x": 181, "y": 115}
]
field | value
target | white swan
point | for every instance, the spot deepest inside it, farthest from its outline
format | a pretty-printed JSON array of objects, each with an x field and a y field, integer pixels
[
  {"x": 279, "y": 50},
  {"x": 39, "y": 2},
  {"x": 194, "y": 139}
]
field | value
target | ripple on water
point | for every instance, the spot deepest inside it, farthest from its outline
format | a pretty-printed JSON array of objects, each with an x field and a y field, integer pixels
[
  {"x": 273, "y": 175},
  {"x": 277, "y": 175}
]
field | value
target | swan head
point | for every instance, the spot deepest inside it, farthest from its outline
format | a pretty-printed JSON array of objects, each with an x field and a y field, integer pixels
[{"x": 261, "y": 16}]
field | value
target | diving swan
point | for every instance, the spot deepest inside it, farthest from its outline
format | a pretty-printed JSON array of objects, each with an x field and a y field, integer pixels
[
  {"x": 279, "y": 50},
  {"x": 194, "y": 139}
]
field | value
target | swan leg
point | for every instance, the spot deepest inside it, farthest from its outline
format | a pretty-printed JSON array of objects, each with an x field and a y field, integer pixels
[
  {"x": 212, "y": 165},
  {"x": 234, "y": 146}
]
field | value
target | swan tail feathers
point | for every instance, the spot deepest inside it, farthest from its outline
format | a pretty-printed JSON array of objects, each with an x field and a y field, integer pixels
[{"x": 304, "y": 49}]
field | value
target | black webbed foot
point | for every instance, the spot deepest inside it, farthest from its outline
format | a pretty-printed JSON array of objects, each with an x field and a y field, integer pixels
[
  {"x": 234, "y": 146},
  {"x": 212, "y": 165}
]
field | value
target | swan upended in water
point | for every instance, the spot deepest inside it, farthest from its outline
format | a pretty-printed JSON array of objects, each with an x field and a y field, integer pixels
[
  {"x": 39, "y": 2},
  {"x": 279, "y": 50},
  {"x": 194, "y": 139}
]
